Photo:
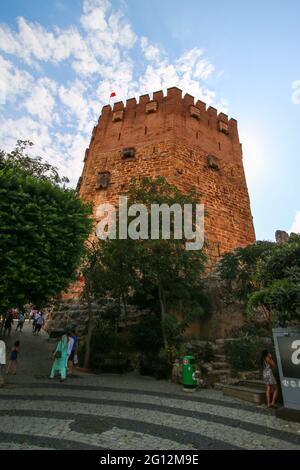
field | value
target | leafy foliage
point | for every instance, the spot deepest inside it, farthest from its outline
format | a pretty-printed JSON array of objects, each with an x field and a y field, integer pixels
[
  {"x": 267, "y": 276},
  {"x": 146, "y": 335},
  {"x": 159, "y": 270},
  {"x": 240, "y": 267},
  {"x": 42, "y": 232},
  {"x": 17, "y": 159},
  {"x": 245, "y": 354}
]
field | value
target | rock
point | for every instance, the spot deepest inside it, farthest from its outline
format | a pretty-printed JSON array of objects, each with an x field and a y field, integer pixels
[{"x": 281, "y": 236}]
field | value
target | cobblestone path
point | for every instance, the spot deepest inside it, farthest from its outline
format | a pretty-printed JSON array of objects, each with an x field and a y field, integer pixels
[{"x": 125, "y": 412}]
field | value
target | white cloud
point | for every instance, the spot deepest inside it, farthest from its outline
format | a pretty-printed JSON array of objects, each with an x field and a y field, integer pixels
[
  {"x": 100, "y": 54},
  {"x": 95, "y": 20},
  {"x": 295, "y": 228},
  {"x": 24, "y": 128},
  {"x": 188, "y": 60},
  {"x": 152, "y": 53},
  {"x": 203, "y": 69},
  {"x": 90, "y": 5},
  {"x": 13, "y": 82},
  {"x": 41, "y": 101}
]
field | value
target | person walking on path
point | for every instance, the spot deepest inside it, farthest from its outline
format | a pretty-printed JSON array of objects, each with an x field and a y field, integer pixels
[
  {"x": 2, "y": 360},
  {"x": 12, "y": 364},
  {"x": 39, "y": 323},
  {"x": 35, "y": 315},
  {"x": 31, "y": 316},
  {"x": 268, "y": 364},
  {"x": 8, "y": 324},
  {"x": 60, "y": 357},
  {"x": 21, "y": 319}
]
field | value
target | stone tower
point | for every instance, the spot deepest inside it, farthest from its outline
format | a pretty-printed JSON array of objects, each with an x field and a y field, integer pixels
[{"x": 190, "y": 145}]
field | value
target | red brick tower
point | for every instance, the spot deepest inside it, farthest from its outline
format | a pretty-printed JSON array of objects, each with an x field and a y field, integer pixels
[{"x": 183, "y": 141}]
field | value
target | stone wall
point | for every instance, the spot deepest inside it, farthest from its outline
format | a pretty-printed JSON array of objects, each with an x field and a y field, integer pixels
[{"x": 225, "y": 313}]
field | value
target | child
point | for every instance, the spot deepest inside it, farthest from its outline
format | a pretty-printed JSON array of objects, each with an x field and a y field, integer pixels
[
  {"x": 269, "y": 379},
  {"x": 12, "y": 364}
]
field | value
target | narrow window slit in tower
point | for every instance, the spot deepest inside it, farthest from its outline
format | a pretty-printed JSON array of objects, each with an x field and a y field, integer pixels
[
  {"x": 145, "y": 130},
  {"x": 119, "y": 136},
  {"x": 219, "y": 146}
]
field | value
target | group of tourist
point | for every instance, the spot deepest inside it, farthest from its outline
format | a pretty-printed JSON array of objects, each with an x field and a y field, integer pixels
[
  {"x": 35, "y": 315},
  {"x": 64, "y": 355}
]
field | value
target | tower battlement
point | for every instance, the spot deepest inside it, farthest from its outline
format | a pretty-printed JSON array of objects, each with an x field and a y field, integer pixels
[
  {"x": 172, "y": 102},
  {"x": 171, "y": 117},
  {"x": 150, "y": 113}
]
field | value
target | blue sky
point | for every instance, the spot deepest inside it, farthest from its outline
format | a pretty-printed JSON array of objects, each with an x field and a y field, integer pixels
[{"x": 59, "y": 60}]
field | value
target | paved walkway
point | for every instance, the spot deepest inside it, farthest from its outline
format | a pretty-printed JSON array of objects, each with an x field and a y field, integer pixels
[{"x": 125, "y": 412}]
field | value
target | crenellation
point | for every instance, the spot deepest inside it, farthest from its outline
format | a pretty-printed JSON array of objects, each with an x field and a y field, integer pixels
[
  {"x": 201, "y": 106},
  {"x": 188, "y": 100},
  {"x": 118, "y": 106},
  {"x": 131, "y": 103},
  {"x": 168, "y": 111},
  {"x": 223, "y": 117},
  {"x": 106, "y": 110},
  {"x": 158, "y": 96},
  {"x": 212, "y": 114},
  {"x": 143, "y": 99}
]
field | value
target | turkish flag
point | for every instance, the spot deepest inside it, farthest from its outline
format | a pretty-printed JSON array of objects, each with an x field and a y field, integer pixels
[{"x": 112, "y": 94}]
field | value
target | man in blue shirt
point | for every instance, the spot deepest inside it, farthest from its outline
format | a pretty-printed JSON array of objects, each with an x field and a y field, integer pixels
[{"x": 21, "y": 319}]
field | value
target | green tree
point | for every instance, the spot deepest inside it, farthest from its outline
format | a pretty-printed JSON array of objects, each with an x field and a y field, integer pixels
[
  {"x": 239, "y": 268},
  {"x": 130, "y": 268},
  {"x": 266, "y": 275},
  {"x": 18, "y": 159},
  {"x": 43, "y": 228},
  {"x": 278, "y": 276}
]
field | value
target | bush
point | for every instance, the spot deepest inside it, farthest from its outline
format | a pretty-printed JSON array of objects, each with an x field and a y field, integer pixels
[
  {"x": 146, "y": 336},
  {"x": 245, "y": 354},
  {"x": 166, "y": 358},
  {"x": 81, "y": 353},
  {"x": 249, "y": 330},
  {"x": 207, "y": 354},
  {"x": 106, "y": 348},
  {"x": 159, "y": 364}
]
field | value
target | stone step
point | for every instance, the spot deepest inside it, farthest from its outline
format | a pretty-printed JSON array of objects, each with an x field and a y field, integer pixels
[
  {"x": 219, "y": 343},
  {"x": 251, "y": 394},
  {"x": 220, "y": 365},
  {"x": 220, "y": 357},
  {"x": 219, "y": 386},
  {"x": 219, "y": 372},
  {"x": 257, "y": 384}
]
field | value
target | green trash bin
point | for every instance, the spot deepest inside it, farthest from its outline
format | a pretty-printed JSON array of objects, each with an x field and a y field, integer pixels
[{"x": 189, "y": 381}]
